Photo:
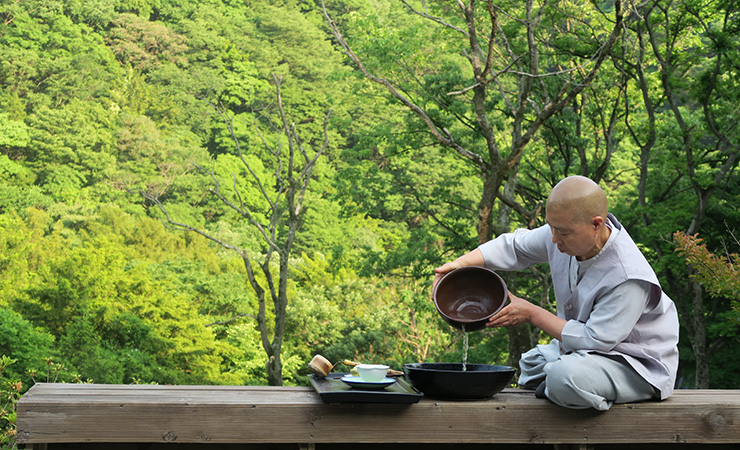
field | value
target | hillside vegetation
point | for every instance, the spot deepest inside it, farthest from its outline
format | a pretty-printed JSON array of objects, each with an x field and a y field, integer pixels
[{"x": 109, "y": 107}]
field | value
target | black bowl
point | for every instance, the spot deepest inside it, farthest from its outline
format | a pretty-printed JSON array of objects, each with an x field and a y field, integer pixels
[
  {"x": 449, "y": 381},
  {"x": 467, "y": 297}
]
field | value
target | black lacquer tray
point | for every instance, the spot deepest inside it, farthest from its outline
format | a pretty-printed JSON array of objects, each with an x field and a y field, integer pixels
[{"x": 332, "y": 390}]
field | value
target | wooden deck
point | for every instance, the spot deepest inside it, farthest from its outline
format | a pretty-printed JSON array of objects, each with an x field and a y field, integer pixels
[{"x": 111, "y": 416}]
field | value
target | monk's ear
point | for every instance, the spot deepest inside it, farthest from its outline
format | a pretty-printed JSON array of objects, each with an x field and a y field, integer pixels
[{"x": 597, "y": 222}]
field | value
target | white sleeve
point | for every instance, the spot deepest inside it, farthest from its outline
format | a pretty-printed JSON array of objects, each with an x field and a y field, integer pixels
[{"x": 517, "y": 250}]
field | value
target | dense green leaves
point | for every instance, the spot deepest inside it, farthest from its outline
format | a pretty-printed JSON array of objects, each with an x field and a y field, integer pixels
[
  {"x": 99, "y": 99},
  {"x": 29, "y": 346}
]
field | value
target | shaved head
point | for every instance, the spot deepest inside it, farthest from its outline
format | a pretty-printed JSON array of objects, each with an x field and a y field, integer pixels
[{"x": 581, "y": 196}]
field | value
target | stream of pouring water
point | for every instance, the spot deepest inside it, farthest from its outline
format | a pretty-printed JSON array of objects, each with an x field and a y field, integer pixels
[{"x": 465, "y": 350}]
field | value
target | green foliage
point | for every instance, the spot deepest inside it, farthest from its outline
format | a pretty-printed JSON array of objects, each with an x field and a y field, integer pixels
[
  {"x": 10, "y": 393},
  {"x": 716, "y": 272},
  {"x": 98, "y": 98},
  {"x": 28, "y": 346},
  {"x": 94, "y": 295},
  {"x": 14, "y": 173},
  {"x": 368, "y": 319},
  {"x": 143, "y": 44},
  {"x": 13, "y": 134}
]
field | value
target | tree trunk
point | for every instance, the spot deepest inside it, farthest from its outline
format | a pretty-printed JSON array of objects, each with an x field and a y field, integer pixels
[
  {"x": 520, "y": 341},
  {"x": 274, "y": 368},
  {"x": 485, "y": 209},
  {"x": 699, "y": 341}
]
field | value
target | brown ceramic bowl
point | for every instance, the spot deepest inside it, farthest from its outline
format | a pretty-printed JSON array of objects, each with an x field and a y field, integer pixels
[{"x": 467, "y": 297}]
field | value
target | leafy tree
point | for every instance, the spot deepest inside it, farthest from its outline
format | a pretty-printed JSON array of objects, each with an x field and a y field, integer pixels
[
  {"x": 10, "y": 393},
  {"x": 97, "y": 97},
  {"x": 93, "y": 293},
  {"x": 30, "y": 347},
  {"x": 282, "y": 195},
  {"x": 143, "y": 44},
  {"x": 510, "y": 62},
  {"x": 521, "y": 69},
  {"x": 716, "y": 272},
  {"x": 13, "y": 134},
  {"x": 690, "y": 150}
]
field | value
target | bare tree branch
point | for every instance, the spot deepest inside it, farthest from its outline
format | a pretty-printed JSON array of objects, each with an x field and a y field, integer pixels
[
  {"x": 229, "y": 122},
  {"x": 174, "y": 225},
  {"x": 245, "y": 212},
  {"x": 493, "y": 78},
  {"x": 433, "y": 18}
]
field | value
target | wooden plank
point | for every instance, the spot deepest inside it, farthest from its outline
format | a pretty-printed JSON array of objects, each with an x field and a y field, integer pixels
[
  {"x": 58, "y": 413},
  {"x": 85, "y": 394}
]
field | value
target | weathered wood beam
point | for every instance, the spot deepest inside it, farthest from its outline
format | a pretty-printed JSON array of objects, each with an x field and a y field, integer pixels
[{"x": 59, "y": 413}]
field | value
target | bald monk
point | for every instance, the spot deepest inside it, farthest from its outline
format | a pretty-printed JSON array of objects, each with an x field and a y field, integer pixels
[{"x": 615, "y": 332}]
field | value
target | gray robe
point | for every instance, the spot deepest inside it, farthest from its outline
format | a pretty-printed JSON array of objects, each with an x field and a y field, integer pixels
[{"x": 651, "y": 346}]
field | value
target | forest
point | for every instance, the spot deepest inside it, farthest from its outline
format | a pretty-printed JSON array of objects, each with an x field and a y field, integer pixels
[{"x": 214, "y": 191}]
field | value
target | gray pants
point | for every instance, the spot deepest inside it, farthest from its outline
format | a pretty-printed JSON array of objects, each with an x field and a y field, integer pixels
[{"x": 583, "y": 380}]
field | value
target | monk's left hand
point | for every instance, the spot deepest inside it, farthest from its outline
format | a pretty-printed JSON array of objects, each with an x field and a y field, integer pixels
[{"x": 517, "y": 312}]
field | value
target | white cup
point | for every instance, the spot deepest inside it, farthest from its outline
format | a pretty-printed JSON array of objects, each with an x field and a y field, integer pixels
[{"x": 372, "y": 373}]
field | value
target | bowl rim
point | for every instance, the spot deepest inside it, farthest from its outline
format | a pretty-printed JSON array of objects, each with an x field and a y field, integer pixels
[
  {"x": 372, "y": 366},
  {"x": 416, "y": 367}
]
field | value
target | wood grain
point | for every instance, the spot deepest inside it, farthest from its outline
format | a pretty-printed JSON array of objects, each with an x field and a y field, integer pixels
[{"x": 58, "y": 413}]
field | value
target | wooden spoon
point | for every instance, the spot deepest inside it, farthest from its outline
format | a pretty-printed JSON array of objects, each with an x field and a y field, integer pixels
[{"x": 321, "y": 366}]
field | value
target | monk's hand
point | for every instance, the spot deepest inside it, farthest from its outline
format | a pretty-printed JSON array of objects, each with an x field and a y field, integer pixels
[
  {"x": 440, "y": 271},
  {"x": 517, "y": 312}
]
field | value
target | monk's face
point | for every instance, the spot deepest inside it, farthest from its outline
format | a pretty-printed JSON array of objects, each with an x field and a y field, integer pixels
[{"x": 574, "y": 235}]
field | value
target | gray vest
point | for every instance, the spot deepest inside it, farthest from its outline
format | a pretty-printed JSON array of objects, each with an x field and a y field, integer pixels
[{"x": 651, "y": 346}]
